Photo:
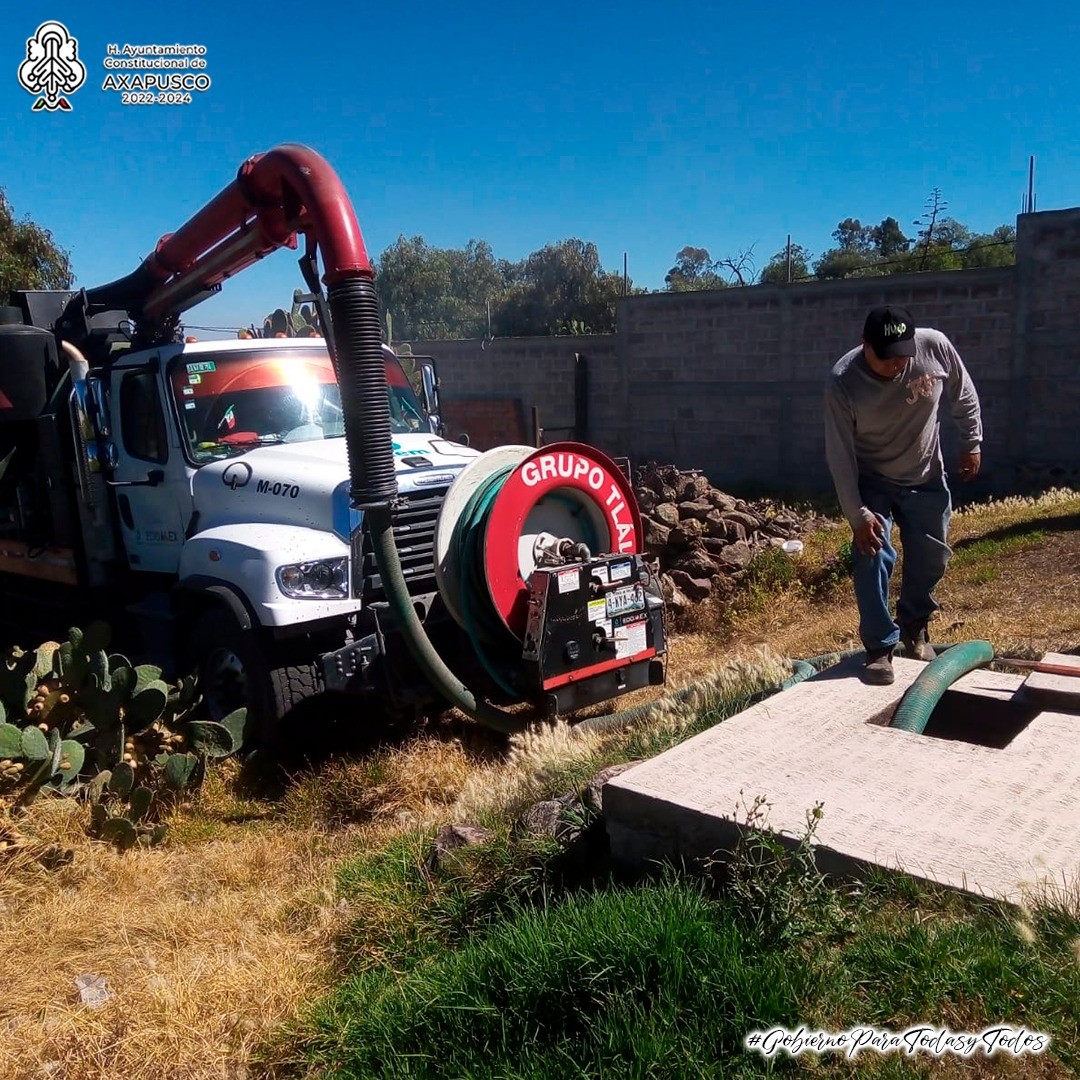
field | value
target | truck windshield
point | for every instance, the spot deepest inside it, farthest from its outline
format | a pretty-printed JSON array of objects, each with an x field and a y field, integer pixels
[{"x": 229, "y": 402}]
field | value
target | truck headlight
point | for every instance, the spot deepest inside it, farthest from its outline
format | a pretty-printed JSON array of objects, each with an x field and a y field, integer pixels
[{"x": 320, "y": 579}]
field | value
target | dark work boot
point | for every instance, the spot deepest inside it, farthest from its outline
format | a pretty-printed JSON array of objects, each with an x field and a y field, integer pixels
[
  {"x": 917, "y": 641},
  {"x": 878, "y": 670}
]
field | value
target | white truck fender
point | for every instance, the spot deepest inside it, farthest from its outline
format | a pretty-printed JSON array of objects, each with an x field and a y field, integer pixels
[{"x": 246, "y": 557}]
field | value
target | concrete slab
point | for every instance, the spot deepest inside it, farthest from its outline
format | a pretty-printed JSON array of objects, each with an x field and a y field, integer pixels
[
  {"x": 1060, "y": 690},
  {"x": 1000, "y": 820}
]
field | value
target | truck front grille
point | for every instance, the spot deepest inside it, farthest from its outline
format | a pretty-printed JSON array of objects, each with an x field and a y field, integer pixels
[{"x": 414, "y": 535}]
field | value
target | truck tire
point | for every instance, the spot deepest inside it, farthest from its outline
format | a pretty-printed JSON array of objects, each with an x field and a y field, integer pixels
[{"x": 237, "y": 669}]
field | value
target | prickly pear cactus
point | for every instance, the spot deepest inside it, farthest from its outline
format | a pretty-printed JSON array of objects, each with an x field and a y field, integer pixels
[{"x": 77, "y": 719}]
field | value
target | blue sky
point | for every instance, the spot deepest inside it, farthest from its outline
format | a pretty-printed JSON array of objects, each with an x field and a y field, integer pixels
[{"x": 642, "y": 128}]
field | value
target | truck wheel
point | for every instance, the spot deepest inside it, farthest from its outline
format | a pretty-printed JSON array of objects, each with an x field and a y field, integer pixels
[{"x": 237, "y": 670}]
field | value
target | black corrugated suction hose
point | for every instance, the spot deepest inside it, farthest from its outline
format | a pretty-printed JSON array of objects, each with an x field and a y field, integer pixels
[
  {"x": 354, "y": 308},
  {"x": 361, "y": 372}
]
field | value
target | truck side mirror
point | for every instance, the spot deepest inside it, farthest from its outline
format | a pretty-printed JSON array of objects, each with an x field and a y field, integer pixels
[{"x": 429, "y": 383}]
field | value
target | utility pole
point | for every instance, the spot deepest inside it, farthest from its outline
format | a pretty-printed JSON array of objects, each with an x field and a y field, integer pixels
[
  {"x": 789, "y": 258},
  {"x": 625, "y": 279},
  {"x": 1031, "y": 185}
]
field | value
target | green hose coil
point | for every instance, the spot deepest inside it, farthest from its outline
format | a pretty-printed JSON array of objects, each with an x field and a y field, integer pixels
[
  {"x": 482, "y": 623},
  {"x": 925, "y": 692}
]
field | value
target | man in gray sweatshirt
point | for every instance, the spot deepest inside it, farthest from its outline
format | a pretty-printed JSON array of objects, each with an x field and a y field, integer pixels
[{"x": 883, "y": 445}]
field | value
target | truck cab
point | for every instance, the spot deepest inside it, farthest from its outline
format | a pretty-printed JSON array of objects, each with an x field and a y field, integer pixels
[{"x": 210, "y": 485}]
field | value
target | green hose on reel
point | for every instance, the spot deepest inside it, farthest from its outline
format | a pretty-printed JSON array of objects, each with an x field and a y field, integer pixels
[{"x": 482, "y": 623}]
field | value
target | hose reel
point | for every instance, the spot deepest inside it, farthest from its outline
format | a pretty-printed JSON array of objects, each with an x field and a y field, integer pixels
[{"x": 537, "y": 559}]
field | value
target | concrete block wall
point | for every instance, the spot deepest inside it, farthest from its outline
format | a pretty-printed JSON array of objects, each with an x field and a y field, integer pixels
[{"x": 731, "y": 381}]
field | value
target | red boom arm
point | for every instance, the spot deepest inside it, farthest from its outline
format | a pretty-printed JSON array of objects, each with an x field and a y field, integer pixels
[{"x": 288, "y": 190}]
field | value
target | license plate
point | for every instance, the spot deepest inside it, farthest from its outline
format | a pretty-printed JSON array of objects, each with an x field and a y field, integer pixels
[{"x": 628, "y": 598}]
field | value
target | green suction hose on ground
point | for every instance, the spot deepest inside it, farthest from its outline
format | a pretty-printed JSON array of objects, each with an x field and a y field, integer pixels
[
  {"x": 431, "y": 664},
  {"x": 926, "y": 691}
]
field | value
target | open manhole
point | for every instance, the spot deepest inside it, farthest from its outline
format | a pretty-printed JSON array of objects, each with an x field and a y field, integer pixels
[{"x": 983, "y": 721}]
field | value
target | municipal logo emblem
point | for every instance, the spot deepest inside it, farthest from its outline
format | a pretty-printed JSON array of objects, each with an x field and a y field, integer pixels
[{"x": 52, "y": 67}]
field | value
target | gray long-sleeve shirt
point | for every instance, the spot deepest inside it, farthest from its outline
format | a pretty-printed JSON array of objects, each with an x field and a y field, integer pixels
[{"x": 889, "y": 427}]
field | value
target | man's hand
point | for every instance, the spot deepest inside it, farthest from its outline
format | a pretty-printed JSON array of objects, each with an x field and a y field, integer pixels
[
  {"x": 970, "y": 461},
  {"x": 869, "y": 537}
]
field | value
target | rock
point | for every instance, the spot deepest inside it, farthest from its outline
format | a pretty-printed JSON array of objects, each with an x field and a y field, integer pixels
[
  {"x": 452, "y": 837},
  {"x": 691, "y": 587},
  {"x": 676, "y": 600},
  {"x": 723, "y": 586},
  {"x": 695, "y": 511},
  {"x": 715, "y": 524},
  {"x": 646, "y": 499},
  {"x": 692, "y": 487},
  {"x": 704, "y": 533},
  {"x": 593, "y": 795},
  {"x": 656, "y": 535},
  {"x": 547, "y": 820},
  {"x": 735, "y": 532},
  {"x": 750, "y": 522},
  {"x": 719, "y": 499},
  {"x": 737, "y": 555},
  {"x": 697, "y": 563},
  {"x": 776, "y": 528},
  {"x": 686, "y": 533},
  {"x": 664, "y": 491},
  {"x": 666, "y": 513}
]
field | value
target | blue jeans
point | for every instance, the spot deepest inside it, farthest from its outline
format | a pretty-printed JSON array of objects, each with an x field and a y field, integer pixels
[{"x": 923, "y": 516}]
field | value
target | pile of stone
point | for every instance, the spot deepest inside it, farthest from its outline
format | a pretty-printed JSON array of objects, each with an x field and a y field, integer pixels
[{"x": 703, "y": 539}]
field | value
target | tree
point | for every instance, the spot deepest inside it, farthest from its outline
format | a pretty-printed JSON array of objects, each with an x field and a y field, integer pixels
[
  {"x": 776, "y": 270},
  {"x": 992, "y": 249},
  {"x": 29, "y": 256},
  {"x": 440, "y": 292},
  {"x": 888, "y": 239},
  {"x": 694, "y": 269},
  {"x": 935, "y": 208},
  {"x": 845, "y": 262},
  {"x": 852, "y": 235},
  {"x": 739, "y": 266},
  {"x": 560, "y": 289}
]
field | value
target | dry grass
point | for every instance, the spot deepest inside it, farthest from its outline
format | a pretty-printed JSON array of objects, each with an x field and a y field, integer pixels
[
  {"x": 204, "y": 950},
  {"x": 407, "y": 786},
  {"x": 213, "y": 941},
  {"x": 1030, "y": 607}
]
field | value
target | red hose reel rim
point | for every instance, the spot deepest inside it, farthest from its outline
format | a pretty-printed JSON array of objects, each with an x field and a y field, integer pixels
[{"x": 558, "y": 466}]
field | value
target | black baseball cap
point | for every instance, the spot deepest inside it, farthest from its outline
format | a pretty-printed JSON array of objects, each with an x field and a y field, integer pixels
[{"x": 890, "y": 332}]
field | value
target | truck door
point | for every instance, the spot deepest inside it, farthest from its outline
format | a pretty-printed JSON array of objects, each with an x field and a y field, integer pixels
[{"x": 148, "y": 477}]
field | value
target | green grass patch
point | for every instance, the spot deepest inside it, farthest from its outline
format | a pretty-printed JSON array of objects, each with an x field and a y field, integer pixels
[
  {"x": 980, "y": 551},
  {"x": 659, "y": 980},
  {"x": 982, "y": 575},
  {"x": 667, "y": 978}
]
